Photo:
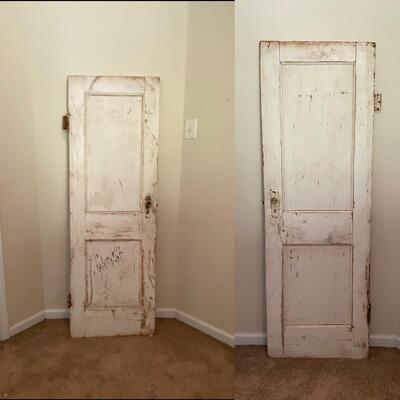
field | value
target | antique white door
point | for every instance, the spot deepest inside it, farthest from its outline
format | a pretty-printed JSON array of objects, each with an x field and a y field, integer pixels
[
  {"x": 317, "y": 123},
  {"x": 113, "y": 145}
]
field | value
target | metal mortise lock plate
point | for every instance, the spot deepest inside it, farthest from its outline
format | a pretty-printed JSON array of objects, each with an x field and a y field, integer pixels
[{"x": 274, "y": 203}]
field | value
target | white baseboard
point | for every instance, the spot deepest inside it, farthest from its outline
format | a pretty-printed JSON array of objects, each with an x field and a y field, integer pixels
[
  {"x": 384, "y": 341},
  {"x": 27, "y": 323},
  {"x": 260, "y": 339},
  {"x": 198, "y": 324},
  {"x": 250, "y": 339},
  {"x": 35, "y": 319},
  {"x": 206, "y": 328},
  {"x": 57, "y": 313},
  {"x": 166, "y": 313},
  {"x": 202, "y": 326}
]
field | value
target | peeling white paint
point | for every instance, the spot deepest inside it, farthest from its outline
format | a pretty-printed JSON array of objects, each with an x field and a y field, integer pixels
[
  {"x": 317, "y": 125},
  {"x": 114, "y": 126}
]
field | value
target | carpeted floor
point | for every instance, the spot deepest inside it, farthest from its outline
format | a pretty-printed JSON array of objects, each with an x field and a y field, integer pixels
[
  {"x": 260, "y": 377},
  {"x": 178, "y": 362}
]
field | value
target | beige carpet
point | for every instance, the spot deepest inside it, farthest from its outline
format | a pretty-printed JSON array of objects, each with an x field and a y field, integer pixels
[
  {"x": 260, "y": 377},
  {"x": 178, "y": 362}
]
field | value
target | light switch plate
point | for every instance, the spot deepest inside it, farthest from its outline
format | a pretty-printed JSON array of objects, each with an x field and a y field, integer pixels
[{"x": 190, "y": 129}]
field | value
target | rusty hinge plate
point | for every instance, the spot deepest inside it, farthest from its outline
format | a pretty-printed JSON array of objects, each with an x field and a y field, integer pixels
[
  {"x": 377, "y": 101},
  {"x": 69, "y": 300},
  {"x": 65, "y": 122}
]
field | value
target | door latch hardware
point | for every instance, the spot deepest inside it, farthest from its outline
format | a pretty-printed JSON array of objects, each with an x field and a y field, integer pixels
[
  {"x": 274, "y": 203},
  {"x": 148, "y": 203}
]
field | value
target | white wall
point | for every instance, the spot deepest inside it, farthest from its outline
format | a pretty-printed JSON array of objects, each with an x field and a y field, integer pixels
[
  {"x": 19, "y": 217},
  {"x": 347, "y": 20},
  {"x": 207, "y": 232}
]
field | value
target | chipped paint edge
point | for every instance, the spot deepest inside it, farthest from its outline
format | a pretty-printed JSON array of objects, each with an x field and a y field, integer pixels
[{"x": 202, "y": 326}]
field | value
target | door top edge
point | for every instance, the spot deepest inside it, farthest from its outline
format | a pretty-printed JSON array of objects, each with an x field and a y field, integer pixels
[{"x": 316, "y": 42}]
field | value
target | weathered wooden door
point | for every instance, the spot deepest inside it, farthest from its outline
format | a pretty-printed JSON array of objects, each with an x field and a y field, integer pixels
[
  {"x": 317, "y": 123},
  {"x": 113, "y": 145}
]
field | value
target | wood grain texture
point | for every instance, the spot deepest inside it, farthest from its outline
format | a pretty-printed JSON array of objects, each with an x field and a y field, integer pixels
[
  {"x": 317, "y": 125},
  {"x": 113, "y": 151}
]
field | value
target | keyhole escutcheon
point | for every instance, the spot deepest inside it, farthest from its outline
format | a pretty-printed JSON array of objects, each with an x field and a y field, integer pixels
[{"x": 148, "y": 203}]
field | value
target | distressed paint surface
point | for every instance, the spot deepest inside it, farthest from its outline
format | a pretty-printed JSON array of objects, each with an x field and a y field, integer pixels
[
  {"x": 328, "y": 301},
  {"x": 113, "y": 274},
  {"x": 317, "y": 126},
  {"x": 113, "y": 152},
  {"x": 113, "y": 178},
  {"x": 317, "y": 227}
]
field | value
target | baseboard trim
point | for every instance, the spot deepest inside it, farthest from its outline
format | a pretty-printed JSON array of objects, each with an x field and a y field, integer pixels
[
  {"x": 198, "y": 324},
  {"x": 57, "y": 313},
  {"x": 27, "y": 323},
  {"x": 260, "y": 339},
  {"x": 250, "y": 339},
  {"x": 384, "y": 341},
  {"x": 166, "y": 313},
  {"x": 206, "y": 328},
  {"x": 202, "y": 326}
]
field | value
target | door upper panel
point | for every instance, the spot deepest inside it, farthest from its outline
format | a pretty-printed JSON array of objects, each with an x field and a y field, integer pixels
[
  {"x": 114, "y": 152},
  {"x": 317, "y": 135}
]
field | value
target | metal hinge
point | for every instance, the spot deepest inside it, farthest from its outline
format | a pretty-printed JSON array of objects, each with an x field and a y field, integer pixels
[
  {"x": 65, "y": 122},
  {"x": 377, "y": 101},
  {"x": 69, "y": 300}
]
